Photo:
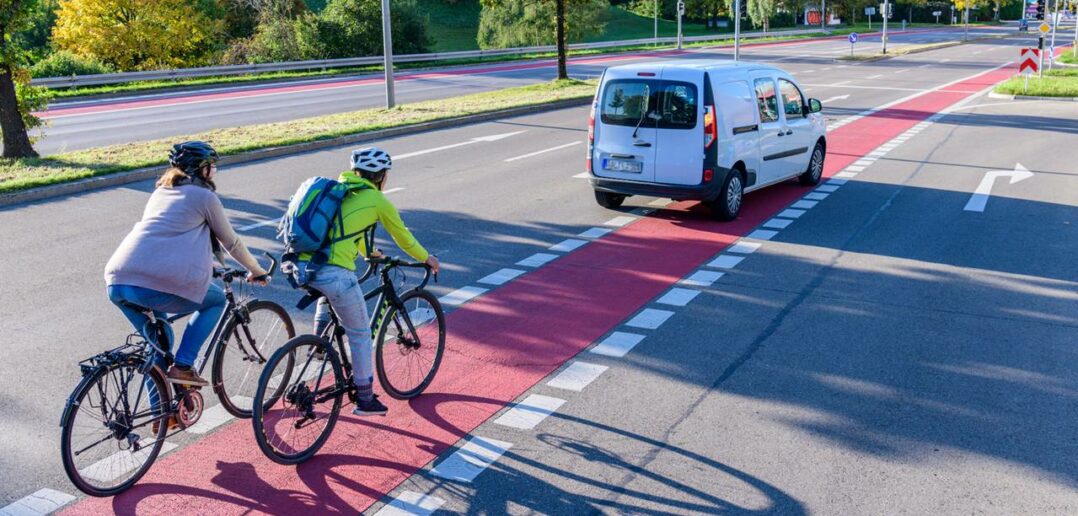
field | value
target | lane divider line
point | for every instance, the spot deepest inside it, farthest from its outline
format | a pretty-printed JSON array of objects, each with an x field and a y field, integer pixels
[
  {"x": 777, "y": 223},
  {"x": 501, "y": 277},
  {"x": 678, "y": 296},
  {"x": 595, "y": 232},
  {"x": 701, "y": 278},
  {"x": 567, "y": 245},
  {"x": 40, "y": 502},
  {"x": 544, "y": 151},
  {"x": 745, "y": 247},
  {"x": 617, "y": 344},
  {"x": 537, "y": 260},
  {"x": 816, "y": 196},
  {"x": 764, "y": 234},
  {"x": 527, "y": 414},
  {"x": 471, "y": 459},
  {"x": 619, "y": 221},
  {"x": 461, "y": 295},
  {"x": 649, "y": 319},
  {"x": 791, "y": 213},
  {"x": 826, "y": 188},
  {"x": 725, "y": 261},
  {"x": 577, "y": 376},
  {"x": 411, "y": 503},
  {"x": 805, "y": 205}
]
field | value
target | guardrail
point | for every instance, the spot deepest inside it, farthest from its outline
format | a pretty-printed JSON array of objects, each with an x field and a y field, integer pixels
[{"x": 215, "y": 71}]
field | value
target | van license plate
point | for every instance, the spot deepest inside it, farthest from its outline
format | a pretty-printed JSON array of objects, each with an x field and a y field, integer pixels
[{"x": 622, "y": 165}]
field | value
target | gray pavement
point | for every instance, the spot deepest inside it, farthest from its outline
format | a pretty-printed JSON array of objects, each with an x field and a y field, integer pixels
[{"x": 887, "y": 350}]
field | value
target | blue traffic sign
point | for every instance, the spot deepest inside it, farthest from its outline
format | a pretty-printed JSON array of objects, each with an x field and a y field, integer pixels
[{"x": 853, "y": 38}]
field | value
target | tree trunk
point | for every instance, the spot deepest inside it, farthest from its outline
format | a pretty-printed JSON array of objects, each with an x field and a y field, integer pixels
[
  {"x": 16, "y": 141},
  {"x": 995, "y": 17},
  {"x": 563, "y": 72}
]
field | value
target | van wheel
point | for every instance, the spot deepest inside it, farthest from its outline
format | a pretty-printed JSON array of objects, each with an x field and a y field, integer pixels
[
  {"x": 728, "y": 204},
  {"x": 609, "y": 200},
  {"x": 815, "y": 169}
]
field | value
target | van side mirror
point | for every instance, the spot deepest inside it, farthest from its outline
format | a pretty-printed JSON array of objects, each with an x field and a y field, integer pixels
[{"x": 815, "y": 106}]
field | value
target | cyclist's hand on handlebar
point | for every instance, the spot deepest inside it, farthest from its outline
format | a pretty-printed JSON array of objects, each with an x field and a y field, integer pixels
[
  {"x": 258, "y": 279},
  {"x": 432, "y": 261},
  {"x": 377, "y": 253}
]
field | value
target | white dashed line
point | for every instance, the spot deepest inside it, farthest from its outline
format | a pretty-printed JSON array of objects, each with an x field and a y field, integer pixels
[
  {"x": 577, "y": 376},
  {"x": 501, "y": 277},
  {"x": 595, "y": 232},
  {"x": 471, "y": 459},
  {"x": 875, "y": 76},
  {"x": 701, "y": 279},
  {"x": 660, "y": 202},
  {"x": 847, "y": 174},
  {"x": 42, "y": 501},
  {"x": 582, "y": 175},
  {"x": 567, "y": 245},
  {"x": 461, "y": 295},
  {"x": 864, "y": 162},
  {"x": 777, "y": 223},
  {"x": 816, "y": 196},
  {"x": 804, "y": 205},
  {"x": 827, "y": 188},
  {"x": 726, "y": 261},
  {"x": 544, "y": 151},
  {"x": 678, "y": 296},
  {"x": 537, "y": 259},
  {"x": 837, "y": 182},
  {"x": 791, "y": 214},
  {"x": 649, "y": 319},
  {"x": 411, "y": 503},
  {"x": 853, "y": 168},
  {"x": 619, "y": 221},
  {"x": 216, "y": 415},
  {"x": 617, "y": 344},
  {"x": 530, "y": 412},
  {"x": 743, "y": 247},
  {"x": 764, "y": 234}
]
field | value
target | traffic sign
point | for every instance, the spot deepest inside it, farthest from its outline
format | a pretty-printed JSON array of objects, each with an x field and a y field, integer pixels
[
  {"x": 1028, "y": 61},
  {"x": 1044, "y": 28},
  {"x": 853, "y": 38},
  {"x": 869, "y": 11}
]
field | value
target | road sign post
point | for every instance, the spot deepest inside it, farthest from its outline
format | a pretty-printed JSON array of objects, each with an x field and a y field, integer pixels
[
  {"x": 387, "y": 52},
  {"x": 937, "y": 15},
  {"x": 737, "y": 30},
  {"x": 680, "y": 13},
  {"x": 869, "y": 11},
  {"x": 1027, "y": 64},
  {"x": 853, "y": 39}
]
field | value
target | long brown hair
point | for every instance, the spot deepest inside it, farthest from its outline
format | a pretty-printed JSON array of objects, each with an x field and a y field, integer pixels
[{"x": 172, "y": 178}]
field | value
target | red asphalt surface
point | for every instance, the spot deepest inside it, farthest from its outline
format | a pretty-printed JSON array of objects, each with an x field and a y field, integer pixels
[
  {"x": 499, "y": 346},
  {"x": 279, "y": 89}
]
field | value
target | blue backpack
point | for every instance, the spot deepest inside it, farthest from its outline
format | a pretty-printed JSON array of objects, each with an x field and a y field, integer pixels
[{"x": 307, "y": 225}]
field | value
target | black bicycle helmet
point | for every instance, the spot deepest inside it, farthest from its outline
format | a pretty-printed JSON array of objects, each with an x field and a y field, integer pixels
[{"x": 191, "y": 156}]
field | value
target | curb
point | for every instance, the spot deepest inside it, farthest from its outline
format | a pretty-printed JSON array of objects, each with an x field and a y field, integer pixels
[
  {"x": 934, "y": 46},
  {"x": 131, "y": 176},
  {"x": 1004, "y": 96}
]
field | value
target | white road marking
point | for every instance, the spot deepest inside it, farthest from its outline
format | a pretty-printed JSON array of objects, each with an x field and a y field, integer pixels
[
  {"x": 840, "y": 83},
  {"x": 530, "y": 412},
  {"x": 216, "y": 416},
  {"x": 902, "y": 70},
  {"x": 764, "y": 234},
  {"x": 501, "y": 277},
  {"x": 725, "y": 261},
  {"x": 537, "y": 260},
  {"x": 804, "y": 205},
  {"x": 491, "y": 138},
  {"x": 827, "y": 188},
  {"x": 791, "y": 213},
  {"x": 944, "y": 60},
  {"x": 617, "y": 345},
  {"x": 837, "y": 181},
  {"x": 660, "y": 202},
  {"x": 777, "y": 223},
  {"x": 42, "y": 501},
  {"x": 877, "y": 76},
  {"x": 649, "y": 318},
  {"x": 461, "y": 295},
  {"x": 839, "y": 97},
  {"x": 815, "y": 196},
  {"x": 411, "y": 503},
  {"x": 619, "y": 221},
  {"x": 567, "y": 245},
  {"x": 744, "y": 247},
  {"x": 595, "y": 232},
  {"x": 544, "y": 151},
  {"x": 471, "y": 459},
  {"x": 979, "y": 199},
  {"x": 582, "y": 175},
  {"x": 107, "y": 469},
  {"x": 577, "y": 376},
  {"x": 846, "y": 174},
  {"x": 678, "y": 296},
  {"x": 864, "y": 162},
  {"x": 701, "y": 279},
  {"x": 853, "y": 168}
]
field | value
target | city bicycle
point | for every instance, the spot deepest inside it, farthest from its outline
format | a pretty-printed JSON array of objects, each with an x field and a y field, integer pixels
[
  {"x": 290, "y": 426},
  {"x": 118, "y": 417}
]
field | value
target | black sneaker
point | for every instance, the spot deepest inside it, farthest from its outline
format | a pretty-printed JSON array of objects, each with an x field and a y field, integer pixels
[{"x": 370, "y": 408}]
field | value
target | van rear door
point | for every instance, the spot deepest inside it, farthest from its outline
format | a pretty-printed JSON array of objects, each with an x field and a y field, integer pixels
[
  {"x": 680, "y": 156},
  {"x": 625, "y": 132}
]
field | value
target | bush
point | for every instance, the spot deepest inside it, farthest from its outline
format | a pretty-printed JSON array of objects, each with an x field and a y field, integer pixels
[
  {"x": 353, "y": 28},
  {"x": 62, "y": 63}
]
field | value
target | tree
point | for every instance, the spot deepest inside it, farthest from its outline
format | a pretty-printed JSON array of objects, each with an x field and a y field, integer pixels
[
  {"x": 137, "y": 34},
  {"x": 354, "y": 28},
  {"x": 518, "y": 23},
  {"x": 760, "y": 12},
  {"x": 17, "y": 98}
]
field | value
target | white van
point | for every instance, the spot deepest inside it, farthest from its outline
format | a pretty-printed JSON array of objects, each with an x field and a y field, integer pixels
[{"x": 701, "y": 131}]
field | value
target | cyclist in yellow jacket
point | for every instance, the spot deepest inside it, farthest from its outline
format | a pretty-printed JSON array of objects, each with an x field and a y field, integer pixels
[{"x": 364, "y": 206}]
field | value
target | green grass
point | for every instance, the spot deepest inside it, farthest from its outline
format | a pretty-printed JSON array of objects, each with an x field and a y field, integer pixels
[
  {"x": 1068, "y": 57},
  {"x": 21, "y": 174},
  {"x": 1055, "y": 83}
]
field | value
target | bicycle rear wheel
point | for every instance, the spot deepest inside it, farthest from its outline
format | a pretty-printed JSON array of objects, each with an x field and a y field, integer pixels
[
  {"x": 294, "y": 427},
  {"x": 410, "y": 345},
  {"x": 113, "y": 428},
  {"x": 243, "y": 350}
]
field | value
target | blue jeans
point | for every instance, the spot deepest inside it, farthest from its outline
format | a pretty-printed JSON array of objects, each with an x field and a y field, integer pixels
[
  {"x": 199, "y": 326},
  {"x": 342, "y": 291}
]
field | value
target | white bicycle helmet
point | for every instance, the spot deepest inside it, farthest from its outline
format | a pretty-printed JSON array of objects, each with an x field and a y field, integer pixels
[{"x": 371, "y": 160}]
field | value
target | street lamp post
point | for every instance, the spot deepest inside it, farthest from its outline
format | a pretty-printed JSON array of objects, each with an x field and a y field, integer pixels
[
  {"x": 737, "y": 30},
  {"x": 656, "y": 37},
  {"x": 823, "y": 16},
  {"x": 680, "y": 12},
  {"x": 965, "y": 28},
  {"x": 387, "y": 51},
  {"x": 886, "y": 10}
]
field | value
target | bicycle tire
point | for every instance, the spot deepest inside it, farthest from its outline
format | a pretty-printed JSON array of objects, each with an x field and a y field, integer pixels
[
  {"x": 389, "y": 323},
  {"x": 230, "y": 400},
  {"x": 71, "y": 411},
  {"x": 260, "y": 408}
]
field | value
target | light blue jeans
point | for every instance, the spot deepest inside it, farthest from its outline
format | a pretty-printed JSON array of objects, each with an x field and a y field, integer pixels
[
  {"x": 342, "y": 291},
  {"x": 199, "y": 326}
]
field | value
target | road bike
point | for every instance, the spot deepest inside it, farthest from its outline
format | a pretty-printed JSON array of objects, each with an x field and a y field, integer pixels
[
  {"x": 409, "y": 342},
  {"x": 112, "y": 430}
]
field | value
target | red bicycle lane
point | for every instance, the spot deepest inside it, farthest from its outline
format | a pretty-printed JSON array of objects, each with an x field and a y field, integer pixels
[{"x": 498, "y": 346}]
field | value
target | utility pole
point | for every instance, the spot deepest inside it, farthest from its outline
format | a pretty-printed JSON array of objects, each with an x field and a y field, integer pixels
[
  {"x": 656, "y": 37},
  {"x": 737, "y": 30},
  {"x": 387, "y": 51},
  {"x": 823, "y": 15},
  {"x": 680, "y": 13},
  {"x": 965, "y": 29},
  {"x": 886, "y": 11}
]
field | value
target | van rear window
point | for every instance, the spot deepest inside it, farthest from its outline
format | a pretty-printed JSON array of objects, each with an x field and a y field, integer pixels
[{"x": 661, "y": 104}]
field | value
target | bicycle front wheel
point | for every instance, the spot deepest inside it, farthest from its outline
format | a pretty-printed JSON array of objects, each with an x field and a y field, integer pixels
[
  {"x": 242, "y": 351},
  {"x": 293, "y": 427},
  {"x": 113, "y": 428},
  {"x": 410, "y": 344}
]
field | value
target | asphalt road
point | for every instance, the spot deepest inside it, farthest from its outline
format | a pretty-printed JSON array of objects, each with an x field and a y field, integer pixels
[
  {"x": 887, "y": 350},
  {"x": 82, "y": 124}
]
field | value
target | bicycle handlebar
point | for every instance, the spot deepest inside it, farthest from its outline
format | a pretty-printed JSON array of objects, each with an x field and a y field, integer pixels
[
  {"x": 389, "y": 262},
  {"x": 228, "y": 274}
]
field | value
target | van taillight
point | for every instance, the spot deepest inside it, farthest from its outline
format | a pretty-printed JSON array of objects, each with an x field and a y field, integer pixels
[
  {"x": 591, "y": 136},
  {"x": 711, "y": 129},
  {"x": 708, "y": 175}
]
